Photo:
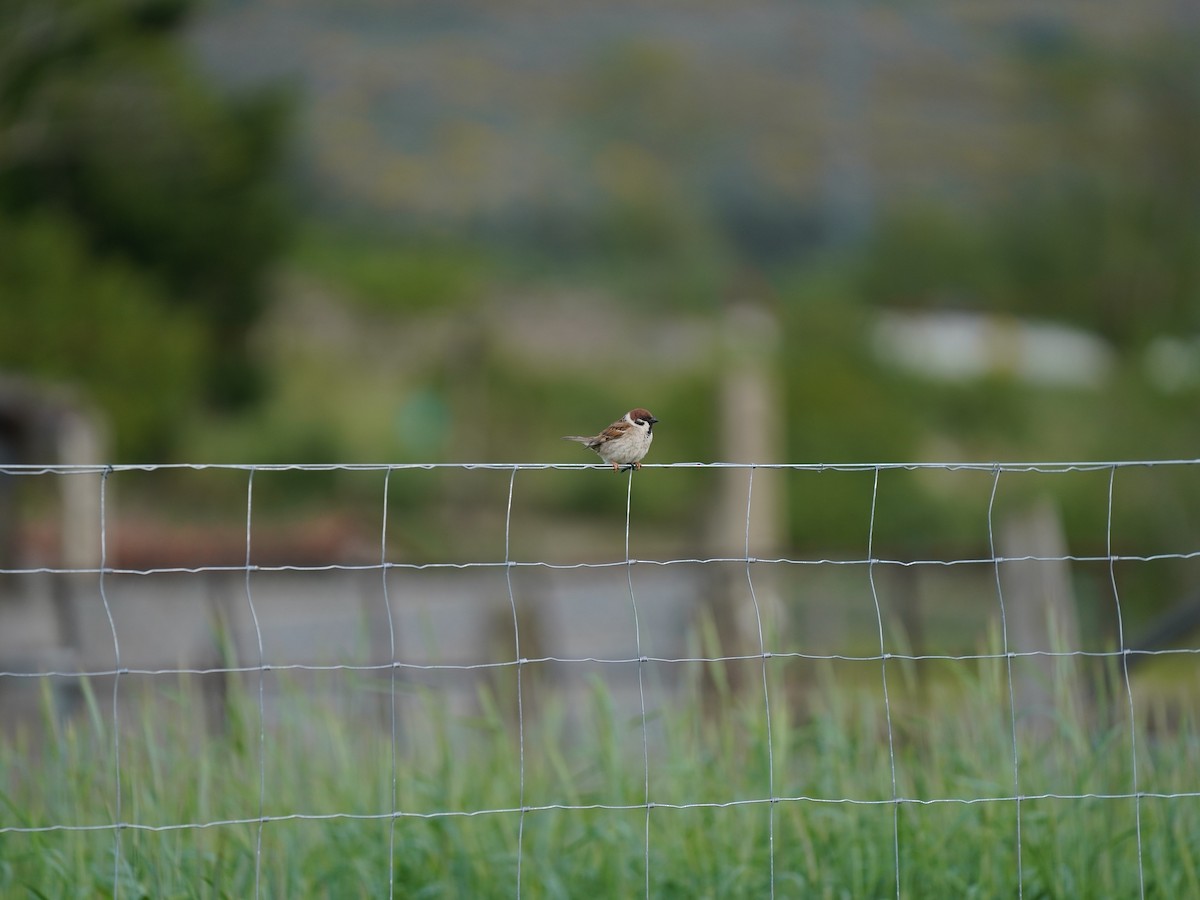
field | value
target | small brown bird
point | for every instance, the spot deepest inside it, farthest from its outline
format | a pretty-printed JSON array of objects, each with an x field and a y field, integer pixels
[{"x": 624, "y": 442}]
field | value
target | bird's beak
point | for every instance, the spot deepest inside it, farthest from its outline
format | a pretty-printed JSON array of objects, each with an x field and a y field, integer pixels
[{"x": 653, "y": 421}]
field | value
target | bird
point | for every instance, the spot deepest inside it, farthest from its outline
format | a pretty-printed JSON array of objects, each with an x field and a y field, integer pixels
[{"x": 624, "y": 442}]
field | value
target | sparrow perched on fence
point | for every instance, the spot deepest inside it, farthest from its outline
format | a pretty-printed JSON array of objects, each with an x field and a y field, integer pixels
[{"x": 625, "y": 441}]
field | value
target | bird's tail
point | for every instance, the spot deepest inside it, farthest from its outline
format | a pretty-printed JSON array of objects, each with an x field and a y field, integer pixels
[{"x": 579, "y": 439}]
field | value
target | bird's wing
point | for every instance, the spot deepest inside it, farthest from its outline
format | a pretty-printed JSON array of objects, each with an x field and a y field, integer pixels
[{"x": 612, "y": 432}]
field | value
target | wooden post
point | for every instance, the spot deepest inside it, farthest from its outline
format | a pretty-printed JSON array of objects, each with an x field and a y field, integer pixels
[
  {"x": 750, "y": 412},
  {"x": 78, "y": 440},
  {"x": 1041, "y": 615}
]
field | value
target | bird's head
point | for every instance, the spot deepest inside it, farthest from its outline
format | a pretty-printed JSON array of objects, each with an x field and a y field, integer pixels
[{"x": 643, "y": 418}]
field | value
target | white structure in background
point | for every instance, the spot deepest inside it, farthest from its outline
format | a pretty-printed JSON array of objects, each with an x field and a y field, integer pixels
[{"x": 963, "y": 345}]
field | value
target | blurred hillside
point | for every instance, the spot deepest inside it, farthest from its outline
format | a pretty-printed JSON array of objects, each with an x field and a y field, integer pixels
[{"x": 779, "y": 125}]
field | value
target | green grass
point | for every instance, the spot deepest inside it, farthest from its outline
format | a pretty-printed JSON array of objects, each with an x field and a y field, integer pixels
[{"x": 327, "y": 788}]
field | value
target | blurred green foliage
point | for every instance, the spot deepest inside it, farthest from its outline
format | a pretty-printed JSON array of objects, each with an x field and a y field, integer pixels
[
  {"x": 107, "y": 130},
  {"x": 100, "y": 322},
  {"x": 1100, "y": 227},
  {"x": 410, "y": 277}
]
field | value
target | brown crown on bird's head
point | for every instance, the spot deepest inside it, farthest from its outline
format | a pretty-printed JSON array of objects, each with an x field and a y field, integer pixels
[{"x": 642, "y": 415}]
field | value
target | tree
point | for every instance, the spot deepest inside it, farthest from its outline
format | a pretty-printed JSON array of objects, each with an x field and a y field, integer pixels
[{"x": 112, "y": 139}]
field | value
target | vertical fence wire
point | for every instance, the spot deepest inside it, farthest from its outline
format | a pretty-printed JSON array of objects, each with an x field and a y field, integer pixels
[
  {"x": 520, "y": 662},
  {"x": 1124, "y": 649},
  {"x": 762, "y": 649},
  {"x": 883, "y": 661},
  {"x": 1008, "y": 666},
  {"x": 116, "y": 724},
  {"x": 641, "y": 665},
  {"x": 391, "y": 626},
  {"x": 262, "y": 704}
]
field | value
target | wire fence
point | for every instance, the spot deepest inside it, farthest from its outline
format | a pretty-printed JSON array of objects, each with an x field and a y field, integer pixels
[{"x": 767, "y": 646}]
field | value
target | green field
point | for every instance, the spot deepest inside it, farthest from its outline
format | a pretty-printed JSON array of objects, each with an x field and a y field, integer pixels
[{"x": 190, "y": 793}]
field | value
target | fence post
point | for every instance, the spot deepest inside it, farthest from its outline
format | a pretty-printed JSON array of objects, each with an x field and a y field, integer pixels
[
  {"x": 750, "y": 412},
  {"x": 1041, "y": 613}
]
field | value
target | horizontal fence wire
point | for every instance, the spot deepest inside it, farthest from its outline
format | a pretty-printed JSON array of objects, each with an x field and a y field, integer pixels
[
  {"x": 1122, "y": 654},
  {"x": 615, "y": 661},
  {"x": 609, "y": 564},
  {"x": 607, "y": 807},
  {"x": 1048, "y": 467}
]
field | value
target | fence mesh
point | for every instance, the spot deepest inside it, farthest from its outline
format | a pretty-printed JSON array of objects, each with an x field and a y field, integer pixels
[{"x": 1022, "y": 785}]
